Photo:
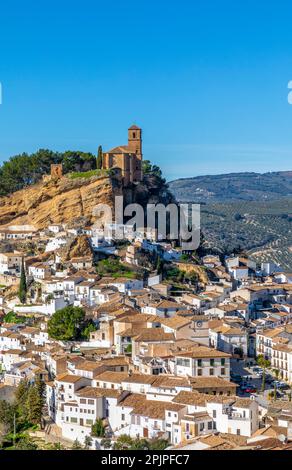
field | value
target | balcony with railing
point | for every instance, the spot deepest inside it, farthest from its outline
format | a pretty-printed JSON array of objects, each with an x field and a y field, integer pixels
[{"x": 235, "y": 415}]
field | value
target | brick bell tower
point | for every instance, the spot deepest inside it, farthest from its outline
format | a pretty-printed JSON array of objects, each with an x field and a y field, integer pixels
[{"x": 135, "y": 141}]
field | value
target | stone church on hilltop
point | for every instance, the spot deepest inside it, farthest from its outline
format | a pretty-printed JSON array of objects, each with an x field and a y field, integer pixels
[{"x": 128, "y": 158}]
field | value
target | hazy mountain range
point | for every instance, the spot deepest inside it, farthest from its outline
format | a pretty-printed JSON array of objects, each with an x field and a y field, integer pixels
[{"x": 233, "y": 187}]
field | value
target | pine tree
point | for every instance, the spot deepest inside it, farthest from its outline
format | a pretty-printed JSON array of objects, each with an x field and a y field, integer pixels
[
  {"x": 21, "y": 396},
  {"x": 34, "y": 405},
  {"x": 99, "y": 158},
  {"x": 22, "y": 286},
  {"x": 41, "y": 390}
]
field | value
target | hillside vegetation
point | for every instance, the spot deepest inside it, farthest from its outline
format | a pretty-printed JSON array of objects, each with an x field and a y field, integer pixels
[
  {"x": 246, "y": 211},
  {"x": 233, "y": 187},
  {"x": 263, "y": 229},
  {"x": 25, "y": 169}
]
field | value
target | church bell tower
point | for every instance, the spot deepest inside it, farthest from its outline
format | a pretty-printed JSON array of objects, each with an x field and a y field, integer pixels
[{"x": 135, "y": 140}]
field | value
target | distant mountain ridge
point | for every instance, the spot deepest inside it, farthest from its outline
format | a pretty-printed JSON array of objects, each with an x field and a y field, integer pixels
[{"x": 233, "y": 187}]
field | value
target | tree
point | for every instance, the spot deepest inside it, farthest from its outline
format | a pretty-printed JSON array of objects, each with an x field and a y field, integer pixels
[
  {"x": 87, "y": 442},
  {"x": 12, "y": 317},
  {"x": 76, "y": 445},
  {"x": 152, "y": 170},
  {"x": 26, "y": 443},
  {"x": 7, "y": 413},
  {"x": 34, "y": 405},
  {"x": 123, "y": 442},
  {"x": 21, "y": 395},
  {"x": 98, "y": 428},
  {"x": 237, "y": 217},
  {"x": 23, "y": 285},
  {"x": 41, "y": 391},
  {"x": 30, "y": 400},
  {"x": 128, "y": 349},
  {"x": 56, "y": 446},
  {"x": 160, "y": 265},
  {"x": 88, "y": 329},
  {"x": 139, "y": 444},
  {"x": 99, "y": 158},
  {"x": 277, "y": 373},
  {"x": 24, "y": 169},
  {"x": 67, "y": 324},
  {"x": 264, "y": 363},
  {"x": 106, "y": 443},
  {"x": 158, "y": 444}
]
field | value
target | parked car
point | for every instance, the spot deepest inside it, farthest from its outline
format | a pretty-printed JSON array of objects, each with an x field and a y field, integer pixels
[
  {"x": 247, "y": 377},
  {"x": 243, "y": 386},
  {"x": 250, "y": 389},
  {"x": 259, "y": 374},
  {"x": 236, "y": 378},
  {"x": 283, "y": 386},
  {"x": 279, "y": 394},
  {"x": 233, "y": 375}
]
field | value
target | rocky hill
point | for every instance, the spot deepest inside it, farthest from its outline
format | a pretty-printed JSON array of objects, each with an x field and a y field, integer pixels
[
  {"x": 233, "y": 187},
  {"x": 73, "y": 199},
  {"x": 58, "y": 201}
]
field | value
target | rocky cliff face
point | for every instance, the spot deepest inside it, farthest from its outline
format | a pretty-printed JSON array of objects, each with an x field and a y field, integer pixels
[
  {"x": 58, "y": 201},
  {"x": 77, "y": 246},
  {"x": 71, "y": 201}
]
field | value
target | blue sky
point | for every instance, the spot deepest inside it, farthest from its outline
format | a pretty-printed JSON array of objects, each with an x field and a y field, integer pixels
[{"x": 206, "y": 80}]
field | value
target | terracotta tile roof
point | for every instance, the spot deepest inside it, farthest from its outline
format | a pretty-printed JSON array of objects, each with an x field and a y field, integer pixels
[
  {"x": 270, "y": 431},
  {"x": 202, "y": 352},
  {"x": 242, "y": 403},
  {"x": 112, "y": 377},
  {"x": 176, "y": 322},
  {"x": 139, "y": 318},
  {"x": 155, "y": 409},
  {"x": 212, "y": 440},
  {"x": 269, "y": 444},
  {"x": 167, "y": 304},
  {"x": 196, "y": 398},
  {"x": 95, "y": 392},
  {"x": 272, "y": 333},
  {"x": 68, "y": 378},
  {"x": 166, "y": 381},
  {"x": 120, "y": 149},
  {"x": 229, "y": 331},
  {"x": 212, "y": 382},
  {"x": 153, "y": 335},
  {"x": 130, "y": 332},
  {"x": 115, "y": 361},
  {"x": 88, "y": 365},
  {"x": 140, "y": 379}
]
